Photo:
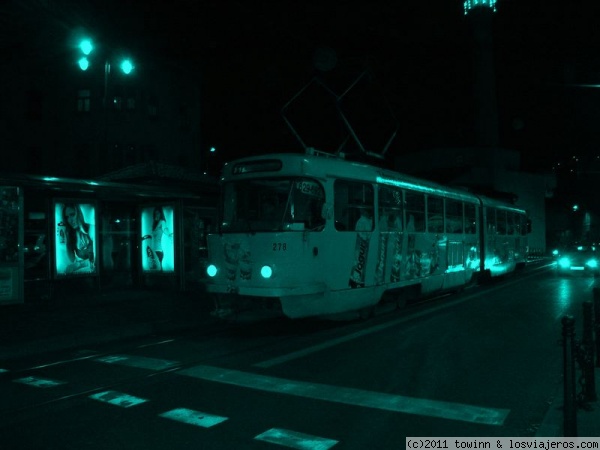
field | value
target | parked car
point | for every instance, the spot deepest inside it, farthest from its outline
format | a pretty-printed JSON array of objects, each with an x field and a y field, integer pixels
[{"x": 578, "y": 259}]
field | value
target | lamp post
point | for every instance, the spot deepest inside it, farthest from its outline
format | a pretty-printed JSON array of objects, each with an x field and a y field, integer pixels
[{"x": 86, "y": 46}]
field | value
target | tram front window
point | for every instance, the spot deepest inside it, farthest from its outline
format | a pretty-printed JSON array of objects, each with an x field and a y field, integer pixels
[{"x": 272, "y": 204}]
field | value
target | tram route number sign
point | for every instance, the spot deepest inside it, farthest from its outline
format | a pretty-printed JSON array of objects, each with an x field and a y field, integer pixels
[{"x": 279, "y": 246}]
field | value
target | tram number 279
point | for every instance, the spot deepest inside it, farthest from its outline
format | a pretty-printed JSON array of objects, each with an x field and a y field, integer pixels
[{"x": 279, "y": 246}]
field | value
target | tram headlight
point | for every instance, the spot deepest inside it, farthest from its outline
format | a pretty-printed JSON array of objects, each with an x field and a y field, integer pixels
[
  {"x": 266, "y": 271},
  {"x": 564, "y": 262},
  {"x": 211, "y": 270},
  {"x": 592, "y": 264}
]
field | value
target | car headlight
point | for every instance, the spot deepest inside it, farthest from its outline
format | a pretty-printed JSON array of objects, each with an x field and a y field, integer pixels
[{"x": 564, "y": 262}]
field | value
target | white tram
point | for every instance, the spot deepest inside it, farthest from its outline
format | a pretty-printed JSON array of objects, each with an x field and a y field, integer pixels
[{"x": 310, "y": 235}]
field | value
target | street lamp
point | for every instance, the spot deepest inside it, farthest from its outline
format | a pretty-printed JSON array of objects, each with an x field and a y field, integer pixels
[{"x": 86, "y": 47}]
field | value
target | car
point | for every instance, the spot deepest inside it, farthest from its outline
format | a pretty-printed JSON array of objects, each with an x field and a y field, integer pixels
[{"x": 578, "y": 259}]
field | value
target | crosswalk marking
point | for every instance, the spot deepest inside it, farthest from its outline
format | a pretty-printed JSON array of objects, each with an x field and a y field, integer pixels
[
  {"x": 39, "y": 382},
  {"x": 351, "y": 396},
  {"x": 141, "y": 362},
  {"x": 118, "y": 399},
  {"x": 192, "y": 417},
  {"x": 294, "y": 439}
]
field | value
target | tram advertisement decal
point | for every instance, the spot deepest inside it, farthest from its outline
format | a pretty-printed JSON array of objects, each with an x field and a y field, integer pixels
[
  {"x": 397, "y": 258},
  {"x": 361, "y": 252},
  {"x": 413, "y": 265},
  {"x": 158, "y": 248},
  {"x": 380, "y": 270},
  {"x": 75, "y": 241}
]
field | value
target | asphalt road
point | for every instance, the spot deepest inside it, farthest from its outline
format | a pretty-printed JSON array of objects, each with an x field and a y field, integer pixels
[{"x": 485, "y": 362}]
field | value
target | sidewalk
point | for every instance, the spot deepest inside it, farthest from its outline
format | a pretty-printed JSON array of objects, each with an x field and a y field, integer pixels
[
  {"x": 42, "y": 327},
  {"x": 588, "y": 417}
]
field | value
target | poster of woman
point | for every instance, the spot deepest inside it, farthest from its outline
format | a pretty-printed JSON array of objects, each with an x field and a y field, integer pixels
[
  {"x": 75, "y": 241},
  {"x": 157, "y": 249}
]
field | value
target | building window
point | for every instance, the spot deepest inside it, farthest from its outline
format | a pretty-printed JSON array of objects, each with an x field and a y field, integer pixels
[
  {"x": 152, "y": 107},
  {"x": 117, "y": 98},
  {"x": 118, "y": 103},
  {"x": 83, "y": 100}
]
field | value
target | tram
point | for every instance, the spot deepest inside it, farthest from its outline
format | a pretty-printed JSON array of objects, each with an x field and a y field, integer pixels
[{"x": 315, "y": 235}]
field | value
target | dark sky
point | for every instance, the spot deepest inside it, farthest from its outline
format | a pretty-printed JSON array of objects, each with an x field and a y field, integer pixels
[{"x": 253, "y": 56}]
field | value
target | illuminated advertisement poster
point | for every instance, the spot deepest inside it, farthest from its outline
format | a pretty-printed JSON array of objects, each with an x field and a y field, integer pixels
[
  {"x": 11, "y": 221},
  {"x": 157, "y": 249},
  {"x": 75, "y": 240}
]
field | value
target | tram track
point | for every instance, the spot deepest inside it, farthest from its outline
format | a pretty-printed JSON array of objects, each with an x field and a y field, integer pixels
[{"x": 286, "y": 335}]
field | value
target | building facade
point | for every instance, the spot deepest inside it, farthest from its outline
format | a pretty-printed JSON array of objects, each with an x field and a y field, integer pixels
[{"x": 57, "y": 119}]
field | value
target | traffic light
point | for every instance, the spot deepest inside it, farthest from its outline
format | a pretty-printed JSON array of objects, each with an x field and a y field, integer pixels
[
  {"x": 126, "y": 66},
  {"x": 86, "y": 47},
  {"x": 83, "y": 63}
]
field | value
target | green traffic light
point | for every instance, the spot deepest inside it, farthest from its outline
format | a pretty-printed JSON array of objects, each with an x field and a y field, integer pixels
[
  {"x": 126, "y": 66},
  {"x": 86, "y": 46},
  {"x": 83, "y": 63}
]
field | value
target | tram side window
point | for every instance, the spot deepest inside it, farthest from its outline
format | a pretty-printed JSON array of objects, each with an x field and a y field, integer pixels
[
  {"x": 435, "y": 214},
  {"x": 524, "y": 225},
  {"x": 470, "y": 218},
  {"x": 390, "y": 209},
  {"x": 454, "y": 216},
  {"x": 510, "y": 222},
  {"x": 490, "y": 218},
  {"x": 501, "y": 221},
  {"x": 415, "y": 211},
  {"x": 353, "y": 201}
]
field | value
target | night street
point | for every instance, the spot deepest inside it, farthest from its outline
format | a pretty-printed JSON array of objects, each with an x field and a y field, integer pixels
[{"x": 486, "y": 362}]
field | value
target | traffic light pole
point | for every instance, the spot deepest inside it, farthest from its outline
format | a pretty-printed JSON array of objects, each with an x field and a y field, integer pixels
[{"x": 105, "y": 107}]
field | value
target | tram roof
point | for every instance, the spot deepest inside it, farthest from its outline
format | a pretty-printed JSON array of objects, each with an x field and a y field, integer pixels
[{"x": 321, "y": 167}]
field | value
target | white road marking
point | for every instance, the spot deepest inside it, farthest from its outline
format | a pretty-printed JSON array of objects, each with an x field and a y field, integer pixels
[
  {"x": 166, "y": 341},
  {"x": 39, "y": 382},
  {"x": 294, "y": 439},
  {"x": 3, "y": 370},
  {"x": 333, "y": 342},
  {"x": 351, "y": 396},
  {"x": 118, "y": 399},
  {"x": 192, "y": 417},
  {"x": 138, "y": 361}
]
